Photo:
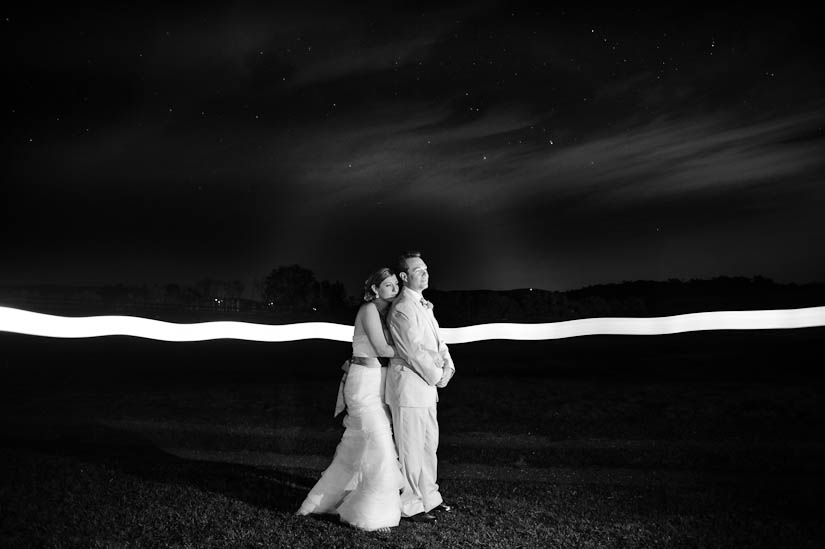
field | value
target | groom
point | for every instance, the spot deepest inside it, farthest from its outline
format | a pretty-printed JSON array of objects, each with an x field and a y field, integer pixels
[{"x": 422, "y": 366}]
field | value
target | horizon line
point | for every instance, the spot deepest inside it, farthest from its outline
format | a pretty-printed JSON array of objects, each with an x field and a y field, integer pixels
[{"x": 750, "y": 278}]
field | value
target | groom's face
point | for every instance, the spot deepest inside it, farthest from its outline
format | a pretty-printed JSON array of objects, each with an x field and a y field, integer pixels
[{"x": 417, "y": 278}]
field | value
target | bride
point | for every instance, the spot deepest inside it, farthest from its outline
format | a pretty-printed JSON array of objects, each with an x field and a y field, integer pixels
[{"x": 362, "y": 483}]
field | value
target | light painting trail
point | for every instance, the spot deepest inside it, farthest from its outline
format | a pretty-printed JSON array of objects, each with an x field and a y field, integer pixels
[{"x": 39, "y": 324}]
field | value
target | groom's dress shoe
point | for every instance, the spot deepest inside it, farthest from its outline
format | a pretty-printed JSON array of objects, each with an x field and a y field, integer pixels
[
  {"x": 442, "y": 507},
  {"x": 423, "y": 516}
]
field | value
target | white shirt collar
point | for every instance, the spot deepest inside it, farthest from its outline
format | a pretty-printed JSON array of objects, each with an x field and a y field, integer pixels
[{"x": 414, "y": 293}]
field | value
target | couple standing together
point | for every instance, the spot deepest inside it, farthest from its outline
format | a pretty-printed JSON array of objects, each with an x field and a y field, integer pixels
[{"x": 399, "y": 362}]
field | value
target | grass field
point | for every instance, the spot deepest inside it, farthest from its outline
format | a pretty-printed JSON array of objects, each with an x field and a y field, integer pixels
[{"x": 696, "y": 440}]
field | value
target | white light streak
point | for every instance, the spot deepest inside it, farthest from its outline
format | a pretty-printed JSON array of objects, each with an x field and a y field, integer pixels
[
  {"x": 39, "y": 324},
  {"x": 694, "y": 322}
]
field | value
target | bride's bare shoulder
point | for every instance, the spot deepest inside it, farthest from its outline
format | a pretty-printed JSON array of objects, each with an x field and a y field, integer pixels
[{"x": 365, "y": 309}]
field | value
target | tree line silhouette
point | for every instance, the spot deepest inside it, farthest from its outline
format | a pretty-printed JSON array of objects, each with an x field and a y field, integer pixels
[
  {"x": 288, "y": 292},
  {"x": 642, "y": 298},
  {"x": 292, "y": 293}
]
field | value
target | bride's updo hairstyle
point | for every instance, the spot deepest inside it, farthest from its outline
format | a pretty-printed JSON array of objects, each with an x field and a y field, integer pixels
[{"x": 376, "y": 279}]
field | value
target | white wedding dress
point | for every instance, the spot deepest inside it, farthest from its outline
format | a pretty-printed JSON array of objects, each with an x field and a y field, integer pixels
[{"x": 363, "y": 482}]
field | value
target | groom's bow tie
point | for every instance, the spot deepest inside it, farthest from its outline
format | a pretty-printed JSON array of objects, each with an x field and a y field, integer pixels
[{"x": 426, "y": 304}]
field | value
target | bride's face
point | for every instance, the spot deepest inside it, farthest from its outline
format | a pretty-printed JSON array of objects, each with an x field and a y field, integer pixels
[{"x": 388, "y": 288}]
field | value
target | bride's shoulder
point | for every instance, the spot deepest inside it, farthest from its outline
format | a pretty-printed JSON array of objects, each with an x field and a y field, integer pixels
[{"x": 367, "y": 308}]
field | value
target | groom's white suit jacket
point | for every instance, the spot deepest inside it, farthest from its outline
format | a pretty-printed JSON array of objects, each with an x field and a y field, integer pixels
[{"x": 421, "y": 357}]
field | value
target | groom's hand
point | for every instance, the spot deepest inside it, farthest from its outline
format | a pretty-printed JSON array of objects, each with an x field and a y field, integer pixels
[{"x": 445, "y": 377}]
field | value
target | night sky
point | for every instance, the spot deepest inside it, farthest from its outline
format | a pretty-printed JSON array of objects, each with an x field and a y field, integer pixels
[{"x": 515, "y": 147}]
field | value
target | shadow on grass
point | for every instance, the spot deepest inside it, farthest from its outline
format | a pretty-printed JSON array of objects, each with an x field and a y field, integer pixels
[{"x": 135, "y": 455}]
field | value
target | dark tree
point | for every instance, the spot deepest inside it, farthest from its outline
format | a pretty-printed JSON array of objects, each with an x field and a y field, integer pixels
[
  {"x": 333, "y": 295},
  {"x": 292, "y": 287},
  {"x": 173, "y": 294}
]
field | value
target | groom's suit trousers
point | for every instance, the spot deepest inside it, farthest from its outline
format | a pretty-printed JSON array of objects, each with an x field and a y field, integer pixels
[{"x": 416, "y": 429}]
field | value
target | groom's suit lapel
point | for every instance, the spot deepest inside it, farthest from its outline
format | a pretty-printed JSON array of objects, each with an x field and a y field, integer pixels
[
  {"x": 428, "y": 314},
  {"x": 433, "y": 324}
]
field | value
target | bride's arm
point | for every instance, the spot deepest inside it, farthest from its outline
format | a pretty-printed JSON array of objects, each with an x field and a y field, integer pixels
[{"x": 375, "y": 332}]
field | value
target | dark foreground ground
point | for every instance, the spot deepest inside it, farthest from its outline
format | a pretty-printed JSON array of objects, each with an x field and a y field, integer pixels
[{"x": 694, "y": 440}]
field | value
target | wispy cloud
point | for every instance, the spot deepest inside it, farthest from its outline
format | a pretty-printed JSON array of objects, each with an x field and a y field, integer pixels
[{"x": 668, "y": 158}]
